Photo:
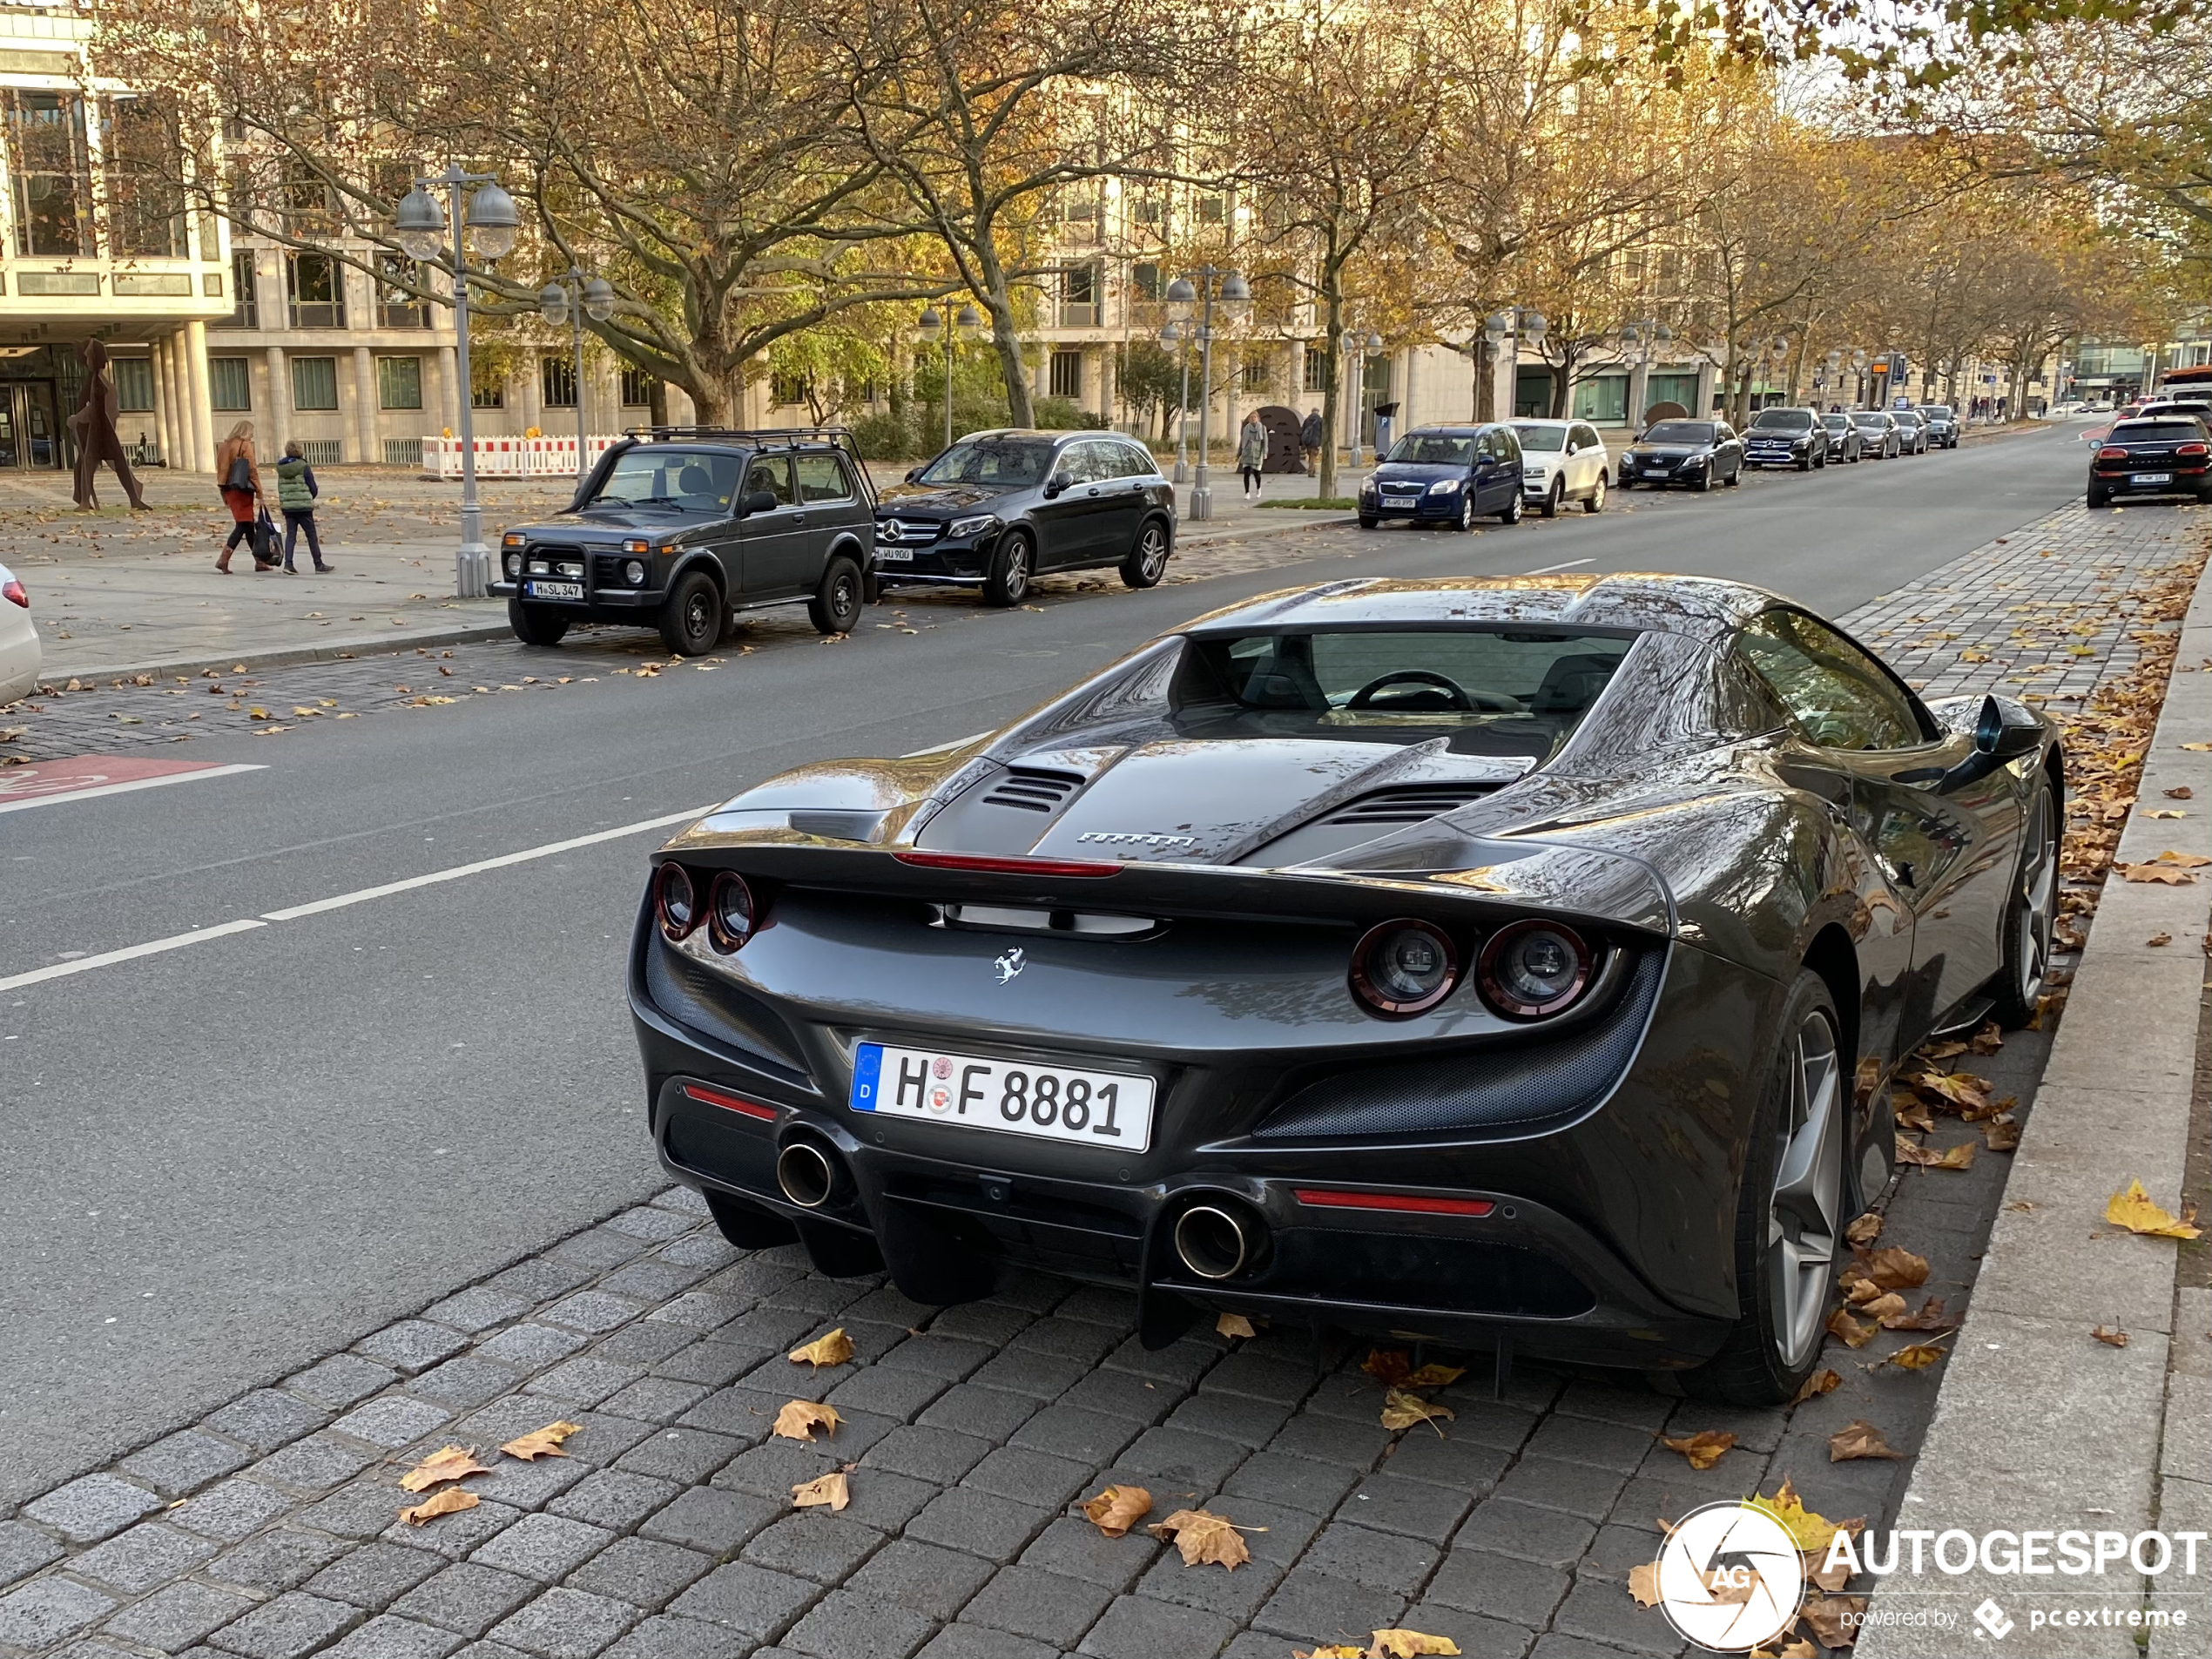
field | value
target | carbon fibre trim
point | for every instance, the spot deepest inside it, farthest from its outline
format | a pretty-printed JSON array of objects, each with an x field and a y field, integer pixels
[
  {"x": 687, "y": 994},
  {"x": 1517, "y": 1089}
]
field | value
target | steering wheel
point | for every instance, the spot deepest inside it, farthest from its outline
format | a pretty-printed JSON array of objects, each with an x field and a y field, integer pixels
[{"x": 1454, "y": 696}]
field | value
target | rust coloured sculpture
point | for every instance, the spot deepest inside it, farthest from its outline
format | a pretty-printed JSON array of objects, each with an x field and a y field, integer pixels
[{"x": 93, "y": 428}]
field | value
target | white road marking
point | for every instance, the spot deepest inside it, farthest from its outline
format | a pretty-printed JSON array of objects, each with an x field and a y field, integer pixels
[
  {"x": 940, "y": 748},
  {"x": 1548, "y": 569},
  {"x": 117, "y": 789},
  {"x": 129, "y": 953}
]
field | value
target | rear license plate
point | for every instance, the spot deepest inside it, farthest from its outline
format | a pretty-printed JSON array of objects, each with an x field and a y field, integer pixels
[
  {"x": 2152, "y": 478},
  {"x": 1050, "y": 1103},
  {"x": 893, "y": 554},
  {"x": 553, "y": 590},
  {"x": 1401, "y": 501}
]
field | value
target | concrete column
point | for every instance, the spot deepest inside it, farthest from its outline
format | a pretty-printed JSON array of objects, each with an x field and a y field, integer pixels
[
  {"x": 203, "y": 417},
  {"x": 533, "y": 390},
  {"x": 450, "y": 393},
  {"x": 681, "y": 410},
  {"x": 365, "y": 446},
  {"x": 165, "y": 397},
  {"x": 278, "y": 428},
  {"x": 1639, "y": 390}
]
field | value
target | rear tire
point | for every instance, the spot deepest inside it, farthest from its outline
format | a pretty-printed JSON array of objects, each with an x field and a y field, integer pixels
[
  {"x": 1511, "y": 514},
  {"x": 1791, "y": 1208},
  {"x": 1148, "y": 560},
  {"x": 690, "y": 617},
  {"x": 2031, "y": 913},
  {"x": 1465, "y": 525},
  {"x": 1008, "y": 582},
  {"x": 1556, "y": 495},
  {"x": 1736, "y": 477},
  {"x": 1366, "y": 522},
  {"x": 835, "y": 608},
  {"x": 536, "y": 625},
  {"x": 2099, "y": 497},
  {"x": 1595, "y": 502}
]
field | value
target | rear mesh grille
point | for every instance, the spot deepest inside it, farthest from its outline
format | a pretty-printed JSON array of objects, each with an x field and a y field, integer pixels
[
  {"x": 1033, "y": 791},
  {"x": 1408, "y": 804}
]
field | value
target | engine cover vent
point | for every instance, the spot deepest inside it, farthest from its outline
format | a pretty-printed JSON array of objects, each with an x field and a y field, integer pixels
[
  {"x": 1407, "y": 804},
  {"x": 1032, "y": 790}
]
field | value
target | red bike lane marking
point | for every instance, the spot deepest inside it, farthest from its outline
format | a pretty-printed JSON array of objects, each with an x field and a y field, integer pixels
[{"x": 45, "y": 783}]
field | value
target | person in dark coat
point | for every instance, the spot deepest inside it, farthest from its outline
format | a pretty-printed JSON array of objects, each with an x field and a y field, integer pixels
[
  {"x": 296, "y": 494},
  {"x": 1309, "y": 440},
  {"x": 93, "y": 429}
]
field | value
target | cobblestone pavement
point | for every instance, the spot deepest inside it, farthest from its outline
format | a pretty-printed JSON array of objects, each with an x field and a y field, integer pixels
[{"x": 270, "y": 1529}]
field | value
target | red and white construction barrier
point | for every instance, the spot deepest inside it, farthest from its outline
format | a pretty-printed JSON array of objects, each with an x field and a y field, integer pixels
[{"x": 513, "y": 457}]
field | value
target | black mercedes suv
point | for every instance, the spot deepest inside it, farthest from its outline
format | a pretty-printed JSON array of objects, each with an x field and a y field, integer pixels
[
  {"x": 681, "y": 527},
  {"x": 999, "y": 508}
]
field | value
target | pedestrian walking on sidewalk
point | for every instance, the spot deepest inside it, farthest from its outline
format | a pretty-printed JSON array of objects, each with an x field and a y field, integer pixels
[
  {"x": 1309, "y": 440},
  {"x": 1252, "y": 454},
  {"x": 296, "y": 492},
  {"x": 239, "y": 477}
]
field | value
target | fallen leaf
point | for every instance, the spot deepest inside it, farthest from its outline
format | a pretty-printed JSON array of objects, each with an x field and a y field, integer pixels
[
  {"x": 1234, "y": 1325},
  {"x": 1801, "y": 1648},
  {"x": 1913, "y": 1114},
  {"x": 830, "y": 1489},
  {"x": 1204, "y": 1537},
  {"x": 1865, "y": 1230},
  {"x": 1886, "y": 1306},
  {"x": 1859, "y": 1439},
  {"x": 1402, "y": 1410},
  {"x": 2133, "y": 1209},
  {"x": 2112, "y": 1336},
  {"x": 2002, "y": 1134},
  {"x": 1820, "y": 1382},
  {"x": 1806, "y": 1530},
  {"x": 2161, "y": 937},
  {"x": 2183, "y": 860},
  {"x": 1389, "y": 1366},
  {"x": 1117, "y": 1509},
  {"x": 1929, "y": 1318},
  {"x": 832, "y": 1350},
  {"x": 1818, "y": 1572},
  {"x": 1848, "y": 1331},
  {"x": 1435, "y": 1376},
  {"x": 1915, "y": 1356},
  {"x": 1896, "y": 1269},
  {"x": 2165, "y": 874},
  {"x": 1339, "y": 1651},
  {"x": 1702, "y": 1449},
  {"x": 2198, "y": 748},
  {"x": 1988, "y": 1039},
  {"x": 450, "y": 1501},
  {"x": 1833, "y": 1620},
  {"x": 1957, "y": 1157},
  {"x": 541, "y": 1442},
  {"x": 1643, "y": 1583},
  {"x": 446, "y": 1463},
  {"x": 800, "y": 1419},
  {"x": 2183, "y": 794},
  {"x": 1961, "y": 1087},
  {"x": 2164, "y": 812},
  {"x": 1408, "y": 1644}
]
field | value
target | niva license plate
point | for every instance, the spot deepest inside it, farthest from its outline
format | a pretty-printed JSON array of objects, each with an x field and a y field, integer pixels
[{"x": 553, "y": 590}]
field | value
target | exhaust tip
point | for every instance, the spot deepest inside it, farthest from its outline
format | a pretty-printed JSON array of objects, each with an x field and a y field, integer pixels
[
  {"x": 809, "y": 1173},
  {"x": 1216, "y": 1242}
]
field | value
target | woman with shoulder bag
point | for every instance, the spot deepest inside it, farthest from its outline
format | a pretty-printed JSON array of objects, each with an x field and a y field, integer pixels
[{"x": 240, "y": 479}]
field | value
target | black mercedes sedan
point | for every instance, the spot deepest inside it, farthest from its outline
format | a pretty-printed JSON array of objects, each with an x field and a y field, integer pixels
[
  {"x": 1844, "y": 443},
  {"x": 999, "y": 508},
  {"x": 2155, "y": 456},
  {"x": 1697, "y": 453},
  {"x": 1517, "y": 963},
  {"x": 1782, "y": 437}
]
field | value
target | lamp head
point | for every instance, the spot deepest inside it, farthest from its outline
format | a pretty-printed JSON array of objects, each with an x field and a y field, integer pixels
[
  {"x": 1533, "y": 326},
  {"x": 1236, "y": 297},
  {"x": 553, "y": 303},
  {"x": 420, "y": 224},
  {"x": 1181, "y": 298},
  {"x": 1496, "y": 327},
  {"x": 1171, "y": 335},
  {"x": 599, "y": 299},
  {"x": 1664, "y": 335},
  {"x": 969, "y": 324},
  {"x": 1631, "y": 335},
  {"x": 492, "y": 221},
  {"x": 928, "y": 324}
]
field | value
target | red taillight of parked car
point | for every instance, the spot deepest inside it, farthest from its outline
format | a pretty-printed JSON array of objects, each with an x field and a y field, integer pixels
[
  {"x": 675, "y": 902},
  {"x": 2109, "y": 453},
  {"x": 13, "y": 592},
  {"x": 2193, "y": 451}
]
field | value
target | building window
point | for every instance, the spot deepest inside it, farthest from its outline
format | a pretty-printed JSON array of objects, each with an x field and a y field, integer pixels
[
  {"x": 146, "y": 210},
  {"x": 230, "y": 385},
  {"x": 786, "y": 388},
  {"x": 1079, "y": 306},
  {"x": 318, "y": 291},
  {"x": 52, "y": 173},
  {"x": 637, "y": 389},
  {"x": 1317, "y": 369},
  {"x": 133, "y": 385},
  {"x": 556, "y": 382},
  {"x": 314, "y": 382},
  {"x": 399, "y": 382},
  {"x": 1148, "y": 210},
  {"x": 1603, "y": 398},
  {"x": 396, "y": 306},
  {"x": 487, "y": 390},
  {"x": 1256, "y": 376},
  {"x": 246, "y": 313},
  {"x": 1145, "y": 278},
  {"x": 1066, "y": 375},
  {"x": 1212, "y": 209}
]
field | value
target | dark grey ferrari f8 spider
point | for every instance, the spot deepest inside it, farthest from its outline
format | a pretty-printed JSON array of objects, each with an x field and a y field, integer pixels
[{"x": 1518, "y": 964}]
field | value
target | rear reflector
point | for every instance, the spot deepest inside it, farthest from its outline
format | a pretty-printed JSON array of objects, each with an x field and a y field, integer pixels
[
  {"x": 730, "y": 1102},
  {"x": 1005, "y": 867},
  {"x": 1407, "y": 1202}
]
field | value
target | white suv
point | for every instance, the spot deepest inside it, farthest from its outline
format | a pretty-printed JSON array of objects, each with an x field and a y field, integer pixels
[{"x": 1563, "y": 461}]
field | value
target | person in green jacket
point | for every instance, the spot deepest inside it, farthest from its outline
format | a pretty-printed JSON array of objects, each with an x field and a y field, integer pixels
[{"x": 296, "y": 492}]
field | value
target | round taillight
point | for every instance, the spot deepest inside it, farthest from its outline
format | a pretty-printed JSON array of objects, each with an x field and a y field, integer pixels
[
  {"x": 1532, "y": 969},
  {"x": 1400, "y": 968},
  {"x": 677, "y": 901},
  {"x": 731, "y": 916}
]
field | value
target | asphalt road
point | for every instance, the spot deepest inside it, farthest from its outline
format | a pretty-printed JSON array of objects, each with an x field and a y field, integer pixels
[{"x": 220, "y": 1162}]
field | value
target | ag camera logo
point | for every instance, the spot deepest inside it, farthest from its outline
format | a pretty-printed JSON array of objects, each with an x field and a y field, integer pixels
[{"x": 1730, "y": 1578}]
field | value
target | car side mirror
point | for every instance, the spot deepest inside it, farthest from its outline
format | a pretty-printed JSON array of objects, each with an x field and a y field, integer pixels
[
  {"x": 759, "y": 501},
  {"x": 1056, "y": 485},
  {"x": 2000, "y": 740},
  {"x": 914, "y": 474}
]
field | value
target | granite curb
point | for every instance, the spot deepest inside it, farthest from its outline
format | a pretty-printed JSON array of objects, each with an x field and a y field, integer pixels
[{"x": 2037, "y": 1423}]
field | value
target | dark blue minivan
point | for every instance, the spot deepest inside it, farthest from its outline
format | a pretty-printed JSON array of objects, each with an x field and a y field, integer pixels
[{"x": 1446, "y": 475}]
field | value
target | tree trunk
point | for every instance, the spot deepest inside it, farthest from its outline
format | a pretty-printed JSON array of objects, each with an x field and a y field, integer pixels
[
  {"x": 1006, "y": 337},
  {"x": 1332, "y": 292}
]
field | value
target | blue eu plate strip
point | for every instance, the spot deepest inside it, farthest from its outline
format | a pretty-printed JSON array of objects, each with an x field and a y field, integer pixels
[{"x": 866, "y": 1068}]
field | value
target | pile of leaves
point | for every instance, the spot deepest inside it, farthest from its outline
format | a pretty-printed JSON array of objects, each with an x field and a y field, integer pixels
[{"x": 445, "y": 1468}]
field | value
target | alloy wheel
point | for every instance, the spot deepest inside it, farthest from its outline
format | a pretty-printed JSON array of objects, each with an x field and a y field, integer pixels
[
  {"x": 1466, "y": 510},
  {"x": 1152, "y": 552},
  {"x": 2038, "y": 901},
  {"x": 1804, "y": 1218}
]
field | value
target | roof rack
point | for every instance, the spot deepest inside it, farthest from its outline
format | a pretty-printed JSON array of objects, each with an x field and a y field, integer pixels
[{"x": 828, "y": 434}]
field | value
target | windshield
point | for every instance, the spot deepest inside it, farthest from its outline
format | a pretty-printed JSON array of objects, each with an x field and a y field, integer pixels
[
  {"x": 1491, "y": 692},
  {"x": 1906, "y": 417},
  {"x": 1937, "y": 411},
  {"x": 1542, "y": 437},
  {"x": 997, "y": 464},
  {"x": 1873, "y": 418},
  {"x": 1783, "y": 421},
  {"x": 691, "y": 481},
  {"x": 1681, "y": 432},
  {"x": 1433, "y": 449},
  {"x": 1835, "y": 422}
]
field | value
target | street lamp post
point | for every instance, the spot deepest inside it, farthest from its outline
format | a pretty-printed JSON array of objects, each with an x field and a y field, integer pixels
[
  {"x": 966, "y": 326},
  {"x": 570, "y": 298},
  {"x": 1858, "y": 376},
  {"x": 1518, "y": 323},
  {"x": 1234, "y": 296},
  {"x": 1175, "y": 334},
  {"x": 490, "y": 222}
]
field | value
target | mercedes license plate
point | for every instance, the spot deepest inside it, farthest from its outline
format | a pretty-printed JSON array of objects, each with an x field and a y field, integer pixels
[
  {"x": 2151, "y": 478},
  {"x": 1401, "y": 501},
  {"x": 893, "y": 554},
  {"x": 553, "y": 590},
  {"x": 1050, "y": 1103}
]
